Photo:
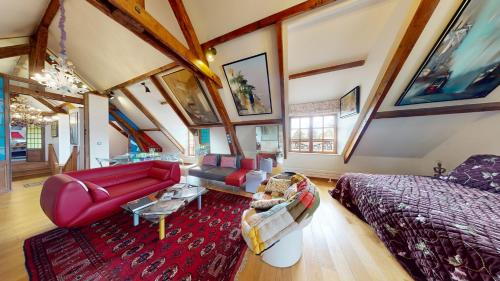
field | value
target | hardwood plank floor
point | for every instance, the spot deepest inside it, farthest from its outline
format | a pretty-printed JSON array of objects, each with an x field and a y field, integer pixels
[{"x": 337, "y": 245}]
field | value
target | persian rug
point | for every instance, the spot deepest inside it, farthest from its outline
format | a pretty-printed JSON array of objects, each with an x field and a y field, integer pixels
[{"x": 201, "y": 244}]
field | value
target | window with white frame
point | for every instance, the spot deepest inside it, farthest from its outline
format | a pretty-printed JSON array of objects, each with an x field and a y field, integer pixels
[{"x": 313, "y": 134}]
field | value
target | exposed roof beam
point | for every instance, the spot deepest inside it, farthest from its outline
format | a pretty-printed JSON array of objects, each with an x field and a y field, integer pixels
[
  {"x": 144, "y": 76},
  {"x": 55, "y": 109},
  {"x": 150, "y": 130},
  {"x": 169, "y": 100},
  {"x": 195, "y": 127},
  {"x": 194, "y": 45},
  {"x": 410, "y": 37},
  {"x": 129, "y": 128},
  {"x": 120, "y": 130},
  {"x": 39, "y": 39},
  {"x": 281, "y": 72},
  {"x": 133, "y": 17},
  {"x": 42, "y": 94},
  {"x": 14, "y": 51},
  {"x": 327, "y": 69},
  {"x": 453, "y": 109},
  {"x": 267, "y": 21},
  {"x": 258, "y": 122},
  {"x": 151, "y": 118}
]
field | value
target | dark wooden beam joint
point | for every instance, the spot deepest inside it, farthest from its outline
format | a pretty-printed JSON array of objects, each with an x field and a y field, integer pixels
[{"x": 42, "y": 94}]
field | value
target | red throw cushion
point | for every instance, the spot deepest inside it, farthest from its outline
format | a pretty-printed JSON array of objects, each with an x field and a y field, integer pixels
[
  {"x": 97, "y": 193},
  {"x": 210, "y": 160},
  {"x": 228, "y": 162},
  {"x": 160, "y": 174}
]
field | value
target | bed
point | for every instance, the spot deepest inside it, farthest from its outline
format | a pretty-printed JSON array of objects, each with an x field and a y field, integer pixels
[{"x": 438, "y": 229}]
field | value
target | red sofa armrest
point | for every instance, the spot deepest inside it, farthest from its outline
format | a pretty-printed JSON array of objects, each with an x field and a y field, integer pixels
[
  {"x": 175, "y": 171},
  {"x": 64, "y": 198},
  {"x": 247, "y": 164}
]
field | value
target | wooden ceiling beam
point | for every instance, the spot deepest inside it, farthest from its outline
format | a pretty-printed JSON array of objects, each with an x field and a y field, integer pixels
[
  {"x": 169, "y": 100},
  {"x": 120, "y": 130},
  {"x": 267, "y": 21},
  {"x": 331, "y": 68},
  {"x": 133, "y": 17},
  {"x": 42, "y": 94},
  {"x": 39, "y": 39},
  {"x": 150, "y": 130},
  {"x": 144, "y": 76},
  {"x": 55, "y": 109},
  {"x": 196, "y": 127},
  {"x": 281, "y": 72},
  {"x": 442, "y": 110},
  {"x": 194, "y": 45},
  {"x": 14, "y": 51},
  {"x": 130, "y": 129},
  {"x": 258, "y": 122},
  {"x": 151, "y": 118},
  {"x": 410, "y": 37}
]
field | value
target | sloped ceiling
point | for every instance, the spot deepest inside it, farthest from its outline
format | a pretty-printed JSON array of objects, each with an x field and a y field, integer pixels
[
  {"x": 20, "y": 17},
  {"x": 216, "y": 17},
  {"x": 338, "y": 34}
]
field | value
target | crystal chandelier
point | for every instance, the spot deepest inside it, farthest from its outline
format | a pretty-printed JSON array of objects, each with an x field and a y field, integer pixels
[
  {"x": 60, "y": 75},
  {"x": 23, "y": 114}
]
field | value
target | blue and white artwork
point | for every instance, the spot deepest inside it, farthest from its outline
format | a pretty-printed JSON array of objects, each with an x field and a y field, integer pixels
[{"x": 464, "y": 63}]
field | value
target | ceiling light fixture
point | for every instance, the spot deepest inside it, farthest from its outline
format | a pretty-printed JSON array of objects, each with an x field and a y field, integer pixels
[
  {"x": 210, "y": 53},
  {"x": 146, "y": 87},
  {"x": 60, "y": 75}
]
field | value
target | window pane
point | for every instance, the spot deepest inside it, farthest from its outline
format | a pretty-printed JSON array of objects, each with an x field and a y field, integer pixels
[
  {"x": 294, "y": 134},
  {"x": 317, "y": 134},
  {"x": 304, "y": 122},
  {"x": 304, "y": 146},
  {"x": 328, "y": 146},
  {"x": 329, "y": 133},
  {"x": 318, "y": 122},
  {"x": 317, "y": 146},
  {"x": 295, "y": 146},
  {"x": 304, "y": 134},
  {"x": 295, "y": 123},
  {"x": 329, "y": 121}
]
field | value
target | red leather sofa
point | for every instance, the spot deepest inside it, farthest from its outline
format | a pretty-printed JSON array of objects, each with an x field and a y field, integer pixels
[
  {"x": 80, "y": 198},
  {"x": 230, "y": 176}
]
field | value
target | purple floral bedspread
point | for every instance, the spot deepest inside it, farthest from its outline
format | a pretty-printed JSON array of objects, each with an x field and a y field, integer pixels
[{"x": 437, "y": 230}]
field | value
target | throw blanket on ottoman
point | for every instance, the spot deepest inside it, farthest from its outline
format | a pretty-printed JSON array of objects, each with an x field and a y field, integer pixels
[
  {"x": 437, "y": 229},
  {"x": 263, "y": 229}
]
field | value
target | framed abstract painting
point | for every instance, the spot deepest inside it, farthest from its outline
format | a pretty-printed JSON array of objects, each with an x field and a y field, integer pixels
[
  {"x": 248, "y": 81},
  {"x": 349, "y": 103},
  {"x": 188, "y": 91},
  {"x": 464, "y": 63}
]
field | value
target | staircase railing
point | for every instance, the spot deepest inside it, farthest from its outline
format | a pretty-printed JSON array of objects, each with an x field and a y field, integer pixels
[
  {"x": 72, "y": 163},
  {"x": 55, "y": 168}
]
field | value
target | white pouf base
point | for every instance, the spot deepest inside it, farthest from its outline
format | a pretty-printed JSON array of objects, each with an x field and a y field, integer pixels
[{"x": 286, "y": 252}]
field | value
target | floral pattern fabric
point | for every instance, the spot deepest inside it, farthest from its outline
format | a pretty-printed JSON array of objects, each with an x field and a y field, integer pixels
[
  {"x": 438, "y": 230},
  {"x": 479, "y": 171}
]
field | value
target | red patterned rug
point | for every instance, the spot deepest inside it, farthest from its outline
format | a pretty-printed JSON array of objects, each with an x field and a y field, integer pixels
[{"x": 199, "y": 245}]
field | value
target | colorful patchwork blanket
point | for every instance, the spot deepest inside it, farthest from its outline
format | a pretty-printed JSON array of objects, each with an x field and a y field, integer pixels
[{"x": 262, "y": 229}]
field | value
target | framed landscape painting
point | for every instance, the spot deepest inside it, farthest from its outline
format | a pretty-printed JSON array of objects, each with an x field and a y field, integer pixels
[
  {"x": 248, "y": 81},
  {"x": 188, "y": 91},
  {"x": 349, "y": 103},
  {"x": 464, "y": 63}
]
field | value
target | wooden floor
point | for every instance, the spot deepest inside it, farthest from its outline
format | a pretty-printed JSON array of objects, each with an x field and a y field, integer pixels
[{"x": 337, "y": 245}]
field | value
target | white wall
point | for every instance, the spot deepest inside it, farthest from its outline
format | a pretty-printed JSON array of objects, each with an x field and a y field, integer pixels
[
  {"x": 218, "y": 141},
  {"x": 61, "y": 143},
  {"x": 118, "y": 143},
  {"x": 98, "y": 123}
]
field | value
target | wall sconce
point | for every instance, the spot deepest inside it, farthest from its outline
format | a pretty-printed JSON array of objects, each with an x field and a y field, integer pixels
[
  {"x": 210, "y": 53},
  {"x": 146, "y": 88}
]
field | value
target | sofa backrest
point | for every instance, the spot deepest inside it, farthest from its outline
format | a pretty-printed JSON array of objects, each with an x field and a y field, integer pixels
[{"x": 219, "y": 157}]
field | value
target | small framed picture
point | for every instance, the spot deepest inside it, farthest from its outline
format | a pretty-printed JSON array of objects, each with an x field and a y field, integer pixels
[{"x": 349, "y": 103}]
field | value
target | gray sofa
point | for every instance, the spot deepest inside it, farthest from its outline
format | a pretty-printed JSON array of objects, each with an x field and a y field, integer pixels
[{"x": 230, "y": 176}]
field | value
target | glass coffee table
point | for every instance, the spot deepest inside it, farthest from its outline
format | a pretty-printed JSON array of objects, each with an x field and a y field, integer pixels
[{"x": 156, "y": 206}]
